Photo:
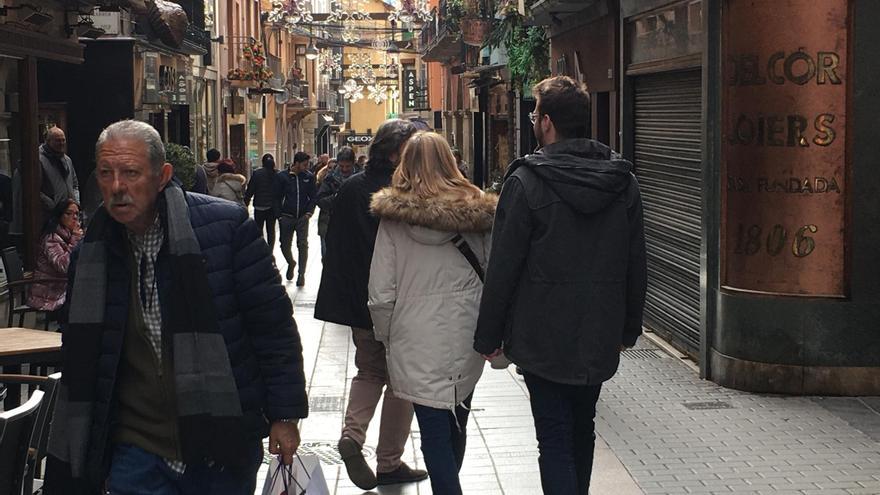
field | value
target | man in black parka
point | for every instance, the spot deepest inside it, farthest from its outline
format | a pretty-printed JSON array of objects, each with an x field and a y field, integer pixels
[
  {"x": 566, "y": 280},
  {"x": 342, "y": 299}
]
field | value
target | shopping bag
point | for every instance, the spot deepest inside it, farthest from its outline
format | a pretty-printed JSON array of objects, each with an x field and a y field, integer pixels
[{"x": 302, "y": 477}]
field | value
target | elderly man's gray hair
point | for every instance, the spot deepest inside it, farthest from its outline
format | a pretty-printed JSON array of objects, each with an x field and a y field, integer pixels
[{"x": 135, "y": 130}]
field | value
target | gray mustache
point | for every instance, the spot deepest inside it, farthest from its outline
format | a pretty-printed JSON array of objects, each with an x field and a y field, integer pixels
[{"x": 124, "y": 198}]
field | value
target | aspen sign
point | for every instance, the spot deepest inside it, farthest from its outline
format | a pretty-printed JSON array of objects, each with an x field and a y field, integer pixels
[{"x": 784, "y": 147}]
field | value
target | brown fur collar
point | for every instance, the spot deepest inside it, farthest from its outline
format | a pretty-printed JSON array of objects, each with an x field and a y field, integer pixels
[{"x": 442, "y": 213}]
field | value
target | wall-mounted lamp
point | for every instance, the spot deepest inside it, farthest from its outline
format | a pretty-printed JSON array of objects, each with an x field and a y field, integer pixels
[
  {"x": 36, "y": 18},
  {"x": 311, "y": 50}
]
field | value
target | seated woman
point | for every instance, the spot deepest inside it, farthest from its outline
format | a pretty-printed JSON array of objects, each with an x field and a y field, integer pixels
[{"x": 61, "y": 234}]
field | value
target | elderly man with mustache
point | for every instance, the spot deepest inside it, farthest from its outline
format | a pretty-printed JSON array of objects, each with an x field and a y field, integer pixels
[{"x": 181, "y": 352}]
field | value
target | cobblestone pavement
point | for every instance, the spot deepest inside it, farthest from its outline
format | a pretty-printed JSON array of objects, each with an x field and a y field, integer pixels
[{"x": 662, "y": 430}]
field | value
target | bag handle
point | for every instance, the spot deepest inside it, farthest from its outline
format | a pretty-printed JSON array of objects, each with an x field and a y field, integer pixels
[{"x": 468, "y": 253}]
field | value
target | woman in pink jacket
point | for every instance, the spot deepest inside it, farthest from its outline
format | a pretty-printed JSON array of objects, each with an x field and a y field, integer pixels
[{"x": 61, "y": 235}]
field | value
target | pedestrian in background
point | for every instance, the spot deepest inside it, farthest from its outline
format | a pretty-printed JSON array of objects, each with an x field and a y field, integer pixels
[
  {"x": 342, "y": 299},
  {"x": 59, "y": 177},
  {"x": 361, "y": 163},
  {"x": 424, "y": 295},
  {"x": 229, "y": 185},
  {"x": 210, "y": 168},
  {"x": 265, "y": 189},
  {"x": 567, "y": 276},
  {"x": 180, "y": 353},
  {"x": 330, "y": 183},
  {"x": 298, "y": 195}
]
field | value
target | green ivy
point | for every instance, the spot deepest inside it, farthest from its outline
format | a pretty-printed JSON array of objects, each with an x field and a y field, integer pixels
[
  {"x": 184, "y": 163},
  {"x": 528, "y": 49},
  {"x": 454, "y": 12}
]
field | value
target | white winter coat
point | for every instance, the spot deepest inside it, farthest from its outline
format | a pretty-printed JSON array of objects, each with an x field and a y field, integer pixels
[{"x": 424, "y": 295}]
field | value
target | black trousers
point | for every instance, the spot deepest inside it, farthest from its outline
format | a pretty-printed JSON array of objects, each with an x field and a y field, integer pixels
[
  {"x": 267, "y": 218},
  {"x": 564, "y": 423}
]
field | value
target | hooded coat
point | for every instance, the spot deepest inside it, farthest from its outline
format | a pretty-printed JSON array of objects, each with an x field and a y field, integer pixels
[
  {"x": 211, "y": 174},
  {"x": 567, "y": 276},
  {"x": 424, "y": 295},
  {"x": 230, "y": 187}
]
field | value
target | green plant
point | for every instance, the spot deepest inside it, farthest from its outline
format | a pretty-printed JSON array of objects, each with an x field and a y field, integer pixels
[
  {"x": 528, "y": 50},
  {"x": 455, "y": 10},
  {"x": 184, "y": 163}
]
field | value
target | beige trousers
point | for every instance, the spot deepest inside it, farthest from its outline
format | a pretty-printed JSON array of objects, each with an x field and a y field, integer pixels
[{"x": 366, "y": 390}]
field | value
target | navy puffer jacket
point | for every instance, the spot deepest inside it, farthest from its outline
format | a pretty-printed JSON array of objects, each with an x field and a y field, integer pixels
[{"x": 253, "y": 311}]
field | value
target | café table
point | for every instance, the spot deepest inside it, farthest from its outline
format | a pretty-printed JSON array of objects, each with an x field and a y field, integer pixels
[{"x": 20, "y": 346}]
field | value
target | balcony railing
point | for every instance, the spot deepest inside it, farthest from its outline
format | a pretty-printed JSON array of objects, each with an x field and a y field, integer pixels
[{"x": 440, "y": 39}]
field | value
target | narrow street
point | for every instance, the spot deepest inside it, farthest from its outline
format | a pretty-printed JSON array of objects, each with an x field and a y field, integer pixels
[{"x": 661, "y": 430}]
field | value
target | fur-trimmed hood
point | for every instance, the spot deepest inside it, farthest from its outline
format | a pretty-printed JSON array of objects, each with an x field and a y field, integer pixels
[{"x": 443, "y": 213}]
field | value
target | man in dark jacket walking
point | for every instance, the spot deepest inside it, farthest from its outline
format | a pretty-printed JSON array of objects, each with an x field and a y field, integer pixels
[
  {"x": 299, "y": 195},
  {"x": 180, "y": 353},
  {"x": 329, "y": 188},
  {"x": 342, "y": 299},
  {"x": 566, "y": 280},
  {"x": 264, "y": 188}
]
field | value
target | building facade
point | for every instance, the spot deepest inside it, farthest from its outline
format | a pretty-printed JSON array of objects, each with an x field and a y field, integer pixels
[{"x": 752, "y": 149}]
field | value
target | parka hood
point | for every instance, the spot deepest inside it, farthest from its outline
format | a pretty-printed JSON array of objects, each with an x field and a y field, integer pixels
[
  {"x": 585, "y": 174},
  {"x": 435, "y": 220},
  {"x": 211, "y": 169},
  {"x": 232, "y": 178}
]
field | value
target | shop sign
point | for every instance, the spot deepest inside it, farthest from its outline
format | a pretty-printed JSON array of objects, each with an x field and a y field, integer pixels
[
  {"x": 108, "y": 21},
  {"x": 358, "y": 139},
  {"x": 784, "y": 143},
  {"x": 181, "y": 90},
  {"x": 151, "y": 78},
  {"x": 410, "y": 89}
]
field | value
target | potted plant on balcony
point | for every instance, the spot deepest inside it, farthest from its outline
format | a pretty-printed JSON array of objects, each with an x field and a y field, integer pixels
[
  {"x": 528, "y": 50},
  {"x": 476, "y": 24},
  {"x": 253, "y": 71},
  {"x": 453, "y": 15}
]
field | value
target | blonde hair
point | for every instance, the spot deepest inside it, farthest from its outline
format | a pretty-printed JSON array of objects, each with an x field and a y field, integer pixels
[{"x": 428, "y": 168}]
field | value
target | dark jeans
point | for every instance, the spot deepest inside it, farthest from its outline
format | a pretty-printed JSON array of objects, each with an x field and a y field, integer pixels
[
  {"x": 289, "y": 226},
  {"x": 565, "y": 429},
  {"x": 268, "y": 218},
  {"x": 443, "y": 444},
  {"x": 137, "y": 472}
]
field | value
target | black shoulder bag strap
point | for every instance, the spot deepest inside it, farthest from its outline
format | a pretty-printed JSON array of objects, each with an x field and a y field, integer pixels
[{"x": 468, "y": 253}]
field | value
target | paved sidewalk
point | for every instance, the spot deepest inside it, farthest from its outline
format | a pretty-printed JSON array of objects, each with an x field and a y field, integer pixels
[{"x": 661, "y": 430}]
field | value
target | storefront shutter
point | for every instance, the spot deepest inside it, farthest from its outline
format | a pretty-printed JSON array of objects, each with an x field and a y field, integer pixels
[{"x": 668, "y": 135}]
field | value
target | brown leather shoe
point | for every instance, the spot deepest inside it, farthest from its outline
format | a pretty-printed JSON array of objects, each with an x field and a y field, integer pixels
[
  {"x": 359, "y": 471},
  {"x": 403, "y": 474}
]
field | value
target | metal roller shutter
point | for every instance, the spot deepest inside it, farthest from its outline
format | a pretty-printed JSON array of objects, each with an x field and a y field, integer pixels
[{"x": 668, "y": 137}]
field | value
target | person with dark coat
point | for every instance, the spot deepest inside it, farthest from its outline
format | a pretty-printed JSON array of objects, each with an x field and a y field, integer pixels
[
  {"x": 330, "y": 184},
  {"x": 264, "y": 188},
  {"x": 567, "y": 277},
  {"x": 342, "y": 299},
  {"x": 299, "y": 195},
  {"x": 180, "y": 352},
  {"x": 59, "y": 177}
]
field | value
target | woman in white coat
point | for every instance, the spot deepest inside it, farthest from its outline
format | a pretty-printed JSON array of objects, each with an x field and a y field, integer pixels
[{"x": 424, "y": 295}]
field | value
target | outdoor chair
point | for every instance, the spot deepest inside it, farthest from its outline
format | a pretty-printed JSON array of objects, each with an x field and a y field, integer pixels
[
  {"x": 16, "y": 430},
  {"x": 40, "y": 439},
  {"x": 18, "y": 283}
]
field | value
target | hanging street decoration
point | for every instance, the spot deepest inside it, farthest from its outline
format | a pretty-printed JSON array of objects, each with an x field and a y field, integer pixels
[
  {"x": 329, "y": 62},
  {"x": 291, "y": 12},
  {"x": 409, "y": 12},
  {"x": 378, "y": 93}
]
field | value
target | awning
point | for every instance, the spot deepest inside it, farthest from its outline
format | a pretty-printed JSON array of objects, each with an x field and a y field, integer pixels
[{"x": 21, "y": 43}]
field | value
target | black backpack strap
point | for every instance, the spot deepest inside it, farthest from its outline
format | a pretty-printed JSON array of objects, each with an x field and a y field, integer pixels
[{"x": 468, "y": 253}]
